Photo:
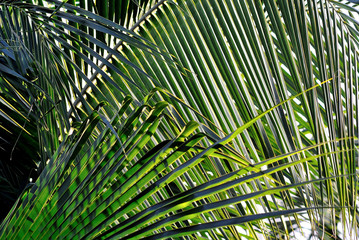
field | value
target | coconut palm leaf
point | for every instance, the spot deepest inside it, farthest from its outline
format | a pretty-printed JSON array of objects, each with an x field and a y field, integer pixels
[
  {"x": 96, "y": 179},
  {"x": 96, "y": 160},
  {"x": 242, "y": 57},
  {"x": 43, "y": 68},
  {"x": 194, "y": 119}
]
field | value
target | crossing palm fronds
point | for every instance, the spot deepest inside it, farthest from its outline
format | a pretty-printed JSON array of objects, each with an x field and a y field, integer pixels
[{"x": 179, "y": 119}]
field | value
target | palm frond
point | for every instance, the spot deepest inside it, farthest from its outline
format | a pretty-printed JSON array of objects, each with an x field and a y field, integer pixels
[
  {"x": 194, "y": 119},
  {"x": 45, "y": 63},
  {"x": 242, "y": 58}
]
